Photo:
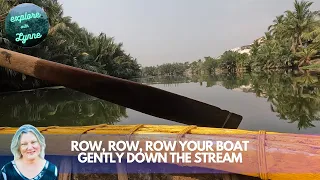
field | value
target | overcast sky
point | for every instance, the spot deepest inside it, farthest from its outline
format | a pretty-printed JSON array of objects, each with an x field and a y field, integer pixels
[{"x": 163, "y": 31}]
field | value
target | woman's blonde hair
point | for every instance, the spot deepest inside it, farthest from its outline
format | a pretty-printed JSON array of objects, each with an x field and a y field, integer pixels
[{"x": 15, "y": 143}]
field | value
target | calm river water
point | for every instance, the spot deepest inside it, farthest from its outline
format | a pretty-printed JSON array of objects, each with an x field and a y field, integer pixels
[{"x": 281, "y": 102}]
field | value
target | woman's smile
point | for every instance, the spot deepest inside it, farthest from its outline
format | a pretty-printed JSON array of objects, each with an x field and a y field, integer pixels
[{"x": 31, "y": 152}]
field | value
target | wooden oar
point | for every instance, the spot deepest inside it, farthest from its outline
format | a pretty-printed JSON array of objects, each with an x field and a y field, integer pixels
[{"x": 139, "y": 97}]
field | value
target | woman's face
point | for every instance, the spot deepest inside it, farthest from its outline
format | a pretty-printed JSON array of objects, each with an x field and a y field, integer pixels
[{"x": 29, "y": 146}]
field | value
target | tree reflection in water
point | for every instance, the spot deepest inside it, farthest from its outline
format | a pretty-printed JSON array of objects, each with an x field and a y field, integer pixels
[
  {"x": 60, "y": 107},
  {"x": 294, "y": 96}
]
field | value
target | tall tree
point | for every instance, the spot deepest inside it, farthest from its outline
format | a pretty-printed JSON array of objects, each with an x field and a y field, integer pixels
[{"x": 298, "y": 21}]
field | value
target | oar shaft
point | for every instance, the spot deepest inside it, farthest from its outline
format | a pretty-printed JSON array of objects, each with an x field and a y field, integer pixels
[{"x": 139, "y": 97}]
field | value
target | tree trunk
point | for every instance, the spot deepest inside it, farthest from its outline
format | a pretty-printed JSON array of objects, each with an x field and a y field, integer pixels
[
  {"x": 300, "y": 41},
  {"x": 293, "y": 46}
]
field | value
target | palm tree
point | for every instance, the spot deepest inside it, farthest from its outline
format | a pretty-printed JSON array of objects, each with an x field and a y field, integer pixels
[
  {"x": 299, "y": 21},
  {"x": 313, "y": 37},
  {"x": 70, "y": 44},
  {"x": 278, "y": 27},
  {"x": 305, "y": 55}
]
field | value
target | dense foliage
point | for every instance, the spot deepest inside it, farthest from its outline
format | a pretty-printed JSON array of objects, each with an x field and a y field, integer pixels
[
  {"x": 69, "y": 44},
  {"x": 292, "y": 41}
]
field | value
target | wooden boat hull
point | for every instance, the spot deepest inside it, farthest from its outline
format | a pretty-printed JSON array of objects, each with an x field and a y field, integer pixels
[{"x": 270, "y": 155}]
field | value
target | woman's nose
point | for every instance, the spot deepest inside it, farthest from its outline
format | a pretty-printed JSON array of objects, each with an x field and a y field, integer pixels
[{"x": 29, "y": 146}]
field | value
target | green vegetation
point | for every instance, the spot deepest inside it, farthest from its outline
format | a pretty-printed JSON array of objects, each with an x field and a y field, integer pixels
[
  {"x": 293, "y": 96},
  {"x": 292, "y": 41},
  {"x": 57, "y": 107},
  {"x": 311, "y": 67},
  {"x": 69, "y": 44}
]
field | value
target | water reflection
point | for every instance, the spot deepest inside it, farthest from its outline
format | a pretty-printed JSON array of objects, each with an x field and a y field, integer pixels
[
  {"x": 60, "y": 107},
  {"x": 291, "y": 102},
  {"x": 294, "y": 96}
]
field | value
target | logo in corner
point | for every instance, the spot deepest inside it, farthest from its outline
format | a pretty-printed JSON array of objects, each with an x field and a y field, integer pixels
[{"x": 27, "y": 25}]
